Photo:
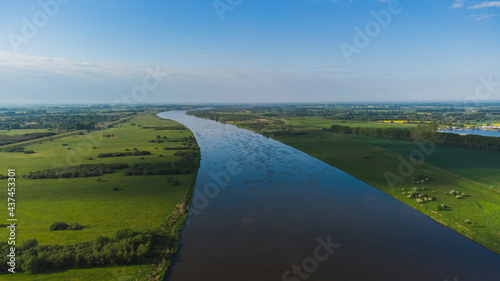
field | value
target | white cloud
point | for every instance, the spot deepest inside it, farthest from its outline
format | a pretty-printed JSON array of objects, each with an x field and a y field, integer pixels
[
  {"x": 458, "y": 4},
  {"x": 483, "y": 16},
  {"x": 485, "y": 5}
]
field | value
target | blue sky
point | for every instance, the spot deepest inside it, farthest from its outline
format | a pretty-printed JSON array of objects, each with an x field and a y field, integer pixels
[{"x": 70, "y": 51}]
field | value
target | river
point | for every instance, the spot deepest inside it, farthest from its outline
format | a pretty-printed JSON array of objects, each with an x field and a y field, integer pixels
[
  {"x": 265, "y": 211},
  {"x": 485, "y": 133}
]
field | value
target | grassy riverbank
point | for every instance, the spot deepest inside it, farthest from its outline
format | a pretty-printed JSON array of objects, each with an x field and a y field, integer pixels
[{"x": 105, "y": 203}]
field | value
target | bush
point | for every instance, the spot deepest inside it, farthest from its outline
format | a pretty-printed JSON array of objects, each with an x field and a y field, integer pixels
[
  {"x": 58, "y": 226},
  {"x": 74, "y": 226},
  {"x": 31, "y": 265},
  {"x": 27, "y": 244}
]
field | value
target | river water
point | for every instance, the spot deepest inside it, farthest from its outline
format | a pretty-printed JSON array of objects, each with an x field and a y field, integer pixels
[
  {"x": 485, "y": 133},
  {"x": 265, "y": 211}
]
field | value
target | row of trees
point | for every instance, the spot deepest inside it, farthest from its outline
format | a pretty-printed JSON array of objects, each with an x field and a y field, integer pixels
[
  {"x": 124, "y": 247},
  {"x": 184, "y": 166},
  {"x": 121, "y": 154},
  {"x": 89, "y": 170},
  {"x": 449, "y": 139}
]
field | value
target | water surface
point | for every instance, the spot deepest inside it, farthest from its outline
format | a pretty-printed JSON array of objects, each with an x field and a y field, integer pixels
[
  {"x": 485, "y": 133},
  {"x": 261, "y": 207}
]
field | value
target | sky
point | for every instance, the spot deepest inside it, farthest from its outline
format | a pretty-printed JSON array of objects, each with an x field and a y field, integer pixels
[{"x": 242, "y": 51}]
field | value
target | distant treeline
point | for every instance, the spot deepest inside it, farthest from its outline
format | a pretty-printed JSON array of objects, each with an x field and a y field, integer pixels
[
  {"x": 166, "y": 128},
  {"x": 181, "y": 148},
  {"x": 222, "y": 116},
  {"x": 449, "y": 139},
  {"x": 25, "y": 137},
  {"x": 90, "y": 170},
  {"x": 121, "y": 154},
  {"x": 125, "y": 247},
  {"x": 184, "y": 166}
]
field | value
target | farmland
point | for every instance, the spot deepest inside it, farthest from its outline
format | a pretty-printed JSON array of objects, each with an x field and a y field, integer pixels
[{"x": 106, "y": 203}]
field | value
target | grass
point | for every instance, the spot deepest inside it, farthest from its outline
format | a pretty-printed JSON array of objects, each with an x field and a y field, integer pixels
[
  {"x": 21, "y": 132},
  {"x": 318, "y": 122},
  {"x": 141, "y": 203},
  {"x": 478, "y": 165},
  {"x": 121, "y": 273}
]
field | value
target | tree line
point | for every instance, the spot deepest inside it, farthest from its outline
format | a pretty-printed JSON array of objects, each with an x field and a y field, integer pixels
[
  {"x": 449, "y": 139},
  {"x": 81, "y": 171},
  {"x": 121, "y": 154},
  {"x": 186, "y": 165},
  {"x": 124, "y": 247}
]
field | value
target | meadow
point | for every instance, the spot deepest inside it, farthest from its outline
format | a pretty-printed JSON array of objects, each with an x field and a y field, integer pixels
[
  {"x": 100, "y": 204},
  {"x": 478, "y": 165}
]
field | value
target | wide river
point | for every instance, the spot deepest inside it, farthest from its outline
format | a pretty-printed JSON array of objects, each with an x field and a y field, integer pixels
[{"x": 264, "y": 211}]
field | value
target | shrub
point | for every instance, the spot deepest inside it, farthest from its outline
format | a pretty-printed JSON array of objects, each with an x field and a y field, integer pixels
[
  {"x": 27, "y": 244},
  {"x": 31, "y": 265},
  {"x": 74, "y": 226},
  {"x": 58, "y": 226}
]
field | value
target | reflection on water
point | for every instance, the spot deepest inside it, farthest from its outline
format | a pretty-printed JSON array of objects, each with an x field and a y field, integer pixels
[
  {"x": 261, "y": 207},
  {"x": 474, "y": 132}
]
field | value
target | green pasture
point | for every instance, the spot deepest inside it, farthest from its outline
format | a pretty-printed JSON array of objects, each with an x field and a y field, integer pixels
[{"x": 138, "y": 202}]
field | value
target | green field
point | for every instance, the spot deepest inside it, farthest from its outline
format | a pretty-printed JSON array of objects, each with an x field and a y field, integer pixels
[
  {"x": 138, "y": 202},
  {"x": 21, "y": 132},
  {"x": 318, "y": 122},
  {"x": 478, "y": 165}
]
